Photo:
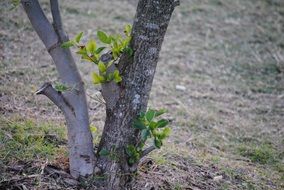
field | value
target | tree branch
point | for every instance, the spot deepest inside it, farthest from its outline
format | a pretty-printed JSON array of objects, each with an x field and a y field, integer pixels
[
  {"x": 57, "y": 21},
  {"x": 147, "y": 151},
  {"x": 57, "y": 98},
  {"x": 40, "y": 23},
  {"x": 62, "y": 57}
]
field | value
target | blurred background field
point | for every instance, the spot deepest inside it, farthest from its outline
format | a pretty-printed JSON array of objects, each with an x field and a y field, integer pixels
[{"x": 220, "y": 75}]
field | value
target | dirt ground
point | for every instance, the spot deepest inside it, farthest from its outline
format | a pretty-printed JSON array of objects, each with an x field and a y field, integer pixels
[{"x": 220, "y": 75}]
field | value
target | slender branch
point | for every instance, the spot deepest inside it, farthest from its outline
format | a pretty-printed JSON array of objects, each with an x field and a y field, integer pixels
[
  {"x": 56, "y": 97},
  {"x": 147, "y": 151},
  {"x": 57, "y": 21},
  {"x": 62, "y": 58},
  {"x": 56, "y": 13},
  {"x": 40, "y": 23}
]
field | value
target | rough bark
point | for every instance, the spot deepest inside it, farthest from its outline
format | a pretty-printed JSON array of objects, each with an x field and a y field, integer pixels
[
  {"x": 72, "y": 103},
  {"x": 150, "y": 25},
  {"x": 124, "y": 101}
]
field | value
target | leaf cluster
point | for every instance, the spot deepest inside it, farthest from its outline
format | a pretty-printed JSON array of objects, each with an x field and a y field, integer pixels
[
  {"x": 59, "y": 87},
  {"x": 91, "y": 52},
  {"x": 151, "y": 128}
]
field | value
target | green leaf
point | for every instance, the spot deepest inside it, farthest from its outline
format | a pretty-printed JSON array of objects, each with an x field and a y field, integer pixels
[
  {"x": 82, "y": 51},
  {"x": 166, "y": 132},
  {"x": 127, "y": 29},
  {"x": 102, "y": 67},
  {"x": 160, "y": 112},
  {"x": 95, "y": 58},
  {"x": 59, "y": 87},
  {"x": 157, "y": 143},
  {"x": 116, "y": 76},
  {"x": 78, "y": 37},
  {"x": 162, "y": 123},
  {"x": 128, "y": 50},
  {"x": 104, "y": 152},
  {"x": 91, "y": 46},
  {"x": 97, "y": 79},
  {"x": 110, "y": 77},
  {"x": 138, "y": 124},
  {"x": 67, "y": 44},
  {"x": 155, "y": 132},
  {"x": 153, "y": 125},
  {"x": 145, "y": 133},
  {"x": 103, "y": 37},
  {"x": 99, "y": 50},
  {"x": 140, "y": 146},
  {"x": 163, "y": 134},
  {"x": 142, "y": 115},
  {"x": 130, "y": 150},
  {"x": 115, "y": 53},
  {"x": 150, "y": 114},
  {"x": 109, "y": 64},
  {"x": 87, "y": 58},
  {"x": 136, "y": 156},
  {"x": 115, "y": 44}
]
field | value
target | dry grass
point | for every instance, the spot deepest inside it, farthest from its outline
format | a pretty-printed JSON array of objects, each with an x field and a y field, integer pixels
[{"x": 229, "y": 121}]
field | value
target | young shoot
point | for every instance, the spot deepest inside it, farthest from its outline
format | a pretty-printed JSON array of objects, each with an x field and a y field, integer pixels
[{"x": 115, "y": 45}]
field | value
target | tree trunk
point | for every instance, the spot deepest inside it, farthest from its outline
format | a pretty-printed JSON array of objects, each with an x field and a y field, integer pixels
[
  {"x": 72, "y": 103},
  {"x": 150, "y": 25},
  {"x": 124, "y": 101}
]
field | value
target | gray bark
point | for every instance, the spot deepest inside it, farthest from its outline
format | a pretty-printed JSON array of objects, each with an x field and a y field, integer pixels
[
  {"x": 150, "y": 25},
  {"x": 124, "y": 101},
  {"x": 72, "y": 103}
]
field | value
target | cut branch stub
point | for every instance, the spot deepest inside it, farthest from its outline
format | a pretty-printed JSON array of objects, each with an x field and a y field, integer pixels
[
  {"x": 56, "y": 97},
  {"x": 110, "y": 90},
  {"x": 43, "y": 88}
]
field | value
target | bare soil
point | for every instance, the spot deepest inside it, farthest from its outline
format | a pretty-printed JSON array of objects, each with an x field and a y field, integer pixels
[{"x": 220, "y": 75}]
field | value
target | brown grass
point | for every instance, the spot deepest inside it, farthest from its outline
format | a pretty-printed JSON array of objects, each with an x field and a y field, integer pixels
[{"x": 229, "y": 121}]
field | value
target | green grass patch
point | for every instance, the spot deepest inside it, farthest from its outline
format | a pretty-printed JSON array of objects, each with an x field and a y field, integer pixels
[
  {"x": 263, "y": 153},
  {"x": 27, "y": 140}
]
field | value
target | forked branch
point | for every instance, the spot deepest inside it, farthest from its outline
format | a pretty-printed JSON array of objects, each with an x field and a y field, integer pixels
[{"x": 73, "y": 104}]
